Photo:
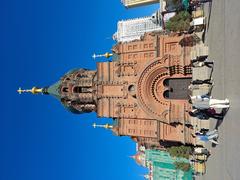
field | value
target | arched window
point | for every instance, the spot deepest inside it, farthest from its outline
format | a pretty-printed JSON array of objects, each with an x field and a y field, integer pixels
[
  {"x": 77, "y": 89},
  {"x": 166, "y": 94},
  {"x": 166, "y": 82},
  {"x": 81, "y": 75},
  {"x": 65, "y": 89},
  {"x": 67, "y": 79}
]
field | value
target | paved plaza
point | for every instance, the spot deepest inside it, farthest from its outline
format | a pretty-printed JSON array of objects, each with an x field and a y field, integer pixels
[{"x": 223, "y": 38}]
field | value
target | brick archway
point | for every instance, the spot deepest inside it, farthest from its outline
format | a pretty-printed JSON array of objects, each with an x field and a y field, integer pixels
[{"x": 151, "y": 88}]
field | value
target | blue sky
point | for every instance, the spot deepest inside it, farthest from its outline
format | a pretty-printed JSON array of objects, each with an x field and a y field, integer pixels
[{"x": 40, "y": 140}]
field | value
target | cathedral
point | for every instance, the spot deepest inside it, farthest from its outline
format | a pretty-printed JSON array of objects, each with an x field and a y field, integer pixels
[{"x": 144, "y": 89}]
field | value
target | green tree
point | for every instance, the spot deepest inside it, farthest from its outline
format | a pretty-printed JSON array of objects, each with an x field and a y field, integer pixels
[
  {"x": 180, "y": 151},
  {"x": 182, "y": 166},
  {"x": 179, "y": 22}
]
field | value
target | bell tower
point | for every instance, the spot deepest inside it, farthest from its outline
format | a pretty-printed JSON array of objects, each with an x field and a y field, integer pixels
[{"x": 76, "y": 90}]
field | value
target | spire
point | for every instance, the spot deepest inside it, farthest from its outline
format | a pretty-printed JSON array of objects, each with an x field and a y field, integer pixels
[
  {"x": 49, "y": 90},
  {"x": 106, "y": 55},
  {"x": 106, "y": 126},
  {"x": 139, "y": 157},
  {"x": 34, "y": 90},
  {"x": 133, "y": 157}
]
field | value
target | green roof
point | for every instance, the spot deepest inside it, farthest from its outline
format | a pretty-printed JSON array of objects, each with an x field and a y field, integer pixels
[
  {"x": 54, "y": 90},
  {"x": 164, "y": 167}
]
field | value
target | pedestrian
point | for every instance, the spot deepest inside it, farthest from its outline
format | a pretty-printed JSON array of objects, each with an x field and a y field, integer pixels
[
  {"x": 204, "y": 1},
  {"x": 209, "y": 136},
  {"x": 192, "y": 87},
  {"x": 206, "y": 81},
  {"x": 205, "y": 63},
  {"x": 199, "y": 59},
  {"x": 211, "y": 112},
  {"x": 206, "y": 102},
  {"x": 206, "y": 113},
  {"x": 202, "y": 61},
  {"x": 198, "y": 113},
  {"x": 198, "y": 2}
]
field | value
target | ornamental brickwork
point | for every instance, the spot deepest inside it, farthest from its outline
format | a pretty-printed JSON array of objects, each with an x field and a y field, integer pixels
[
  {"x": 144, "y": 89},
  {"x": 135, "y": 89}
]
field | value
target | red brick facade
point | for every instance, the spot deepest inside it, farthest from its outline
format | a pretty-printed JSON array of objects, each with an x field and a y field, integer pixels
[
  {"x": 131, "y": 89},
  {"x": 141, "y": 89}
]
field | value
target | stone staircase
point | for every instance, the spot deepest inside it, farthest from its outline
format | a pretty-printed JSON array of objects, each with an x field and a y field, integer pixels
[
  {"x": 200, "y": 49},
  {"x": 200, "y": 73}
]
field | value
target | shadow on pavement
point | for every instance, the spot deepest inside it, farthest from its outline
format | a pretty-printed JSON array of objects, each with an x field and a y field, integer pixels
[
  {"x": 220, "y": 120},
  {"x": 209, "y": 15},
  {"x": 209, "y": 18}
]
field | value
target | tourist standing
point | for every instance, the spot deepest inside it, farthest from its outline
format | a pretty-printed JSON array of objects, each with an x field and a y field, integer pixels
[{"x": 206, "y": 102}]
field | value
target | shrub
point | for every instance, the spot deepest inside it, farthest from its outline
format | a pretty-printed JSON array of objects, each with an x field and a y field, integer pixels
[
  {"x": 179, "y": 22},
  {"x": 180, "y": 151},
  {"x": 182, "y": 166}
]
